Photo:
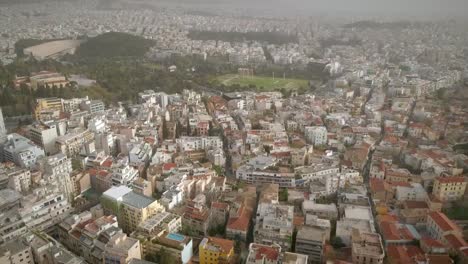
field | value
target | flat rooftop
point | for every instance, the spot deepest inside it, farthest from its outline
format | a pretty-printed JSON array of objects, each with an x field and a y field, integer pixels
[{"x": 137, "y": 200}]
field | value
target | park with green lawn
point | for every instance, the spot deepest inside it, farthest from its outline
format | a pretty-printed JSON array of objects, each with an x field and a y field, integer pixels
[{"x": 262, "y": 82}]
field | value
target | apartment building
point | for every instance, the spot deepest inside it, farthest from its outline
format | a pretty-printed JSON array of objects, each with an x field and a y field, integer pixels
[
  {"x": 48, "y": 108},
  {"x": 310, "y": 241},
  {"x": 440, "y": 226},
  {"x": 366, "y": 248},
  {"x": 121, "y": 249},
  {"x": 83, "y": 235},
  {"x": 72, "y": 143},
  {"x": 274, "y": 224},
  {"x": 448, "y": 189},
  {"x": 93, "y": 106},
  {"x": 135, "y": 209},
  {"x": 316, "y": 135},
  {"x": 21, "y": 151},
  {"x": 214, "y": 250},
  {"x": 16, "y": 252},
  {"x": 198, "y": 143},
  {"x": 44, "y": 135},
  {"x": 18, "y": 179}
]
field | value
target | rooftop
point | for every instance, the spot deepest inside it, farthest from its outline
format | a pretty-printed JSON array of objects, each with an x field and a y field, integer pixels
[
  {"x": 137, "y": 200},
  {"x": 443, "y": 221},
  {"x": 217, "y": 244},
  {"x": 117, "y": 192}
]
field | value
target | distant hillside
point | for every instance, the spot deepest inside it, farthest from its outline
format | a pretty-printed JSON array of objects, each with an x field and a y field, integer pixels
[
  {"x": 366, "y": 24},
  {"x": 115, "y": 44}
]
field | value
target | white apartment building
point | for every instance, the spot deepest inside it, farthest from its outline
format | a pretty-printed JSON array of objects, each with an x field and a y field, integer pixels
[
  {"x": 44, "y": 135},
  {"x": 58, "y": 164},
  {"x": 123, "y": 174},
  {"x": 140, "y": 153},
  {"x": 45, "y": 211},
  {"x": 93, "y": 106},
  {"x": 21, "y": 151},
  {"x": 316, "y": 135},
  {"x": 199, "y": 143}
]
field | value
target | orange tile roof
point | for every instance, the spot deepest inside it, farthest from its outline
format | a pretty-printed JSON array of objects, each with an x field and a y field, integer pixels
[
  {"x": 169, "y": 166},
  {"x": 377, "y": 185},
  {"x": 415, "y": 204},
  {"x": 242, "y": 222},
  {"x": 444, "y": 180},
  {"x": 443, "y": 221},
  {"x": 394, "y": 231},
  {"x": 226, "y": 245},
  {"x": 267, "y": 252},
  {"x": 219, "y": 205},
  {"x": 455, "y": 241},
  {"x": 439, "y": 259},
  {"x": 430, "y": 242},
  {"x": 298, "y": 221}
]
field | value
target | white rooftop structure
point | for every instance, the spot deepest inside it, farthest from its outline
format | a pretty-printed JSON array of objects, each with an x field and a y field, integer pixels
[{"x": 117, "y": 192}]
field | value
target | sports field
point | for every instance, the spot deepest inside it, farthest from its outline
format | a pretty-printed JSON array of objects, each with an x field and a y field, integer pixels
[{"x": 268, "y": 83}]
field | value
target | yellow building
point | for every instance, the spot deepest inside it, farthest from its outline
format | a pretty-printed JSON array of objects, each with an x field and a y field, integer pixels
[
  {"x": 136, "y": 208},
  {"x": 45, "y": 107},
  {"x": 213, "y": 250},
  {"x": 448, "y": 189}
]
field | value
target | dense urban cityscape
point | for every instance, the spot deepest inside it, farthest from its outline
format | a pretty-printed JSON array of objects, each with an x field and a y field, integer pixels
[{"x": 139, "y": 132}]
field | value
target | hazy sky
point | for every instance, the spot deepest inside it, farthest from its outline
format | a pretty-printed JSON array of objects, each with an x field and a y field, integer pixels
[
  {"x": 407, "y": 8},
  {"x": 377, "y": 8}
]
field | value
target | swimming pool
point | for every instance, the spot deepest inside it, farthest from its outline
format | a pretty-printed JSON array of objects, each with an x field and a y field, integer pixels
[{"x": 176, "y": 237}]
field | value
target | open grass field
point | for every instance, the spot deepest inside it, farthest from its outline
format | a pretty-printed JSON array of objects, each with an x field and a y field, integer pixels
[{"x": 261, "y": 82}]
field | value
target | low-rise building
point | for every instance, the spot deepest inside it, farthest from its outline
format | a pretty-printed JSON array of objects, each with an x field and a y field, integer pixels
[
  {"x": 121, "y": 249},
  {"x": 325, "y": 211},
  {"x": 260, "y": 254},
  {"x": 213, "y": 250},
  {"x": 367, "y": 248}
]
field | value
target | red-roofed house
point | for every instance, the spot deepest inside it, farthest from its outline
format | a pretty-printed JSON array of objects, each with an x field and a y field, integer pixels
[
  {"x": 397, "y": 234},
  {"x": 168, "y": 167},
  {"x": 259, "y": 253},
  {"x": 439, "y": 226},
  {"x": 430, "y": 245},
  {"x": 409, "y": 254},
  {"x": 454, "y": 242}
]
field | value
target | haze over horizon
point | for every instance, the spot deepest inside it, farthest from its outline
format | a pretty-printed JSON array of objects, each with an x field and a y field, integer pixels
[{"x": 378, "y": 9}]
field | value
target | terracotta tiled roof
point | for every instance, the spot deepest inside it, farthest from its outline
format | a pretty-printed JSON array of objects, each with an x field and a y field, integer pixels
[
  {"x": 219, "y": 205},
  {"x": 377, "y": 185},
  {"x": 443, "y": 221},
  {"x": 225, "y": 244},
  {"x": 430, "y": 242},
  {"x": 242, "y": 222},
  {"x": 415, "y": 204},
  {"x": 455, "y": 241},
  {"x": 445, "y": 180},
  {"x": 268, "y": 253}
]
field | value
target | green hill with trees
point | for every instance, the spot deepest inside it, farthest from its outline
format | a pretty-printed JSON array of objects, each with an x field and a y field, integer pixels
[{"x": 115, "y": 44}]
